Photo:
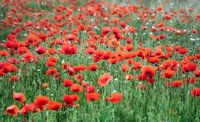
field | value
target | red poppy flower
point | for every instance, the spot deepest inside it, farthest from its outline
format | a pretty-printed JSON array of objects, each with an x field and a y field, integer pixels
[
  {"x": 129, "y": 47},
  {"x": 41, "y": 107},
  {"x": 129, "y": 77},
  {"x": 195, "y": 92},
  {"x": 76, "y": 88},
  {"x": 11, "y": 44},
  {"x": 13, "y": 60},
  {"x": 12, "y": 110},
  {"x": 70, "y": 49},
  {"x": 80, "y": 68},
  {"x": 54, "y": 105},
  {"x": 68, "y": 83},
  {"x": 41, "y": 100},
  {"x": 104, "y": 79},
  {"x": 84, "y": 83},
  {"x": 27, "y": 57},
  {"x": 132, "y": 29},
  {"x": 19, "y": 97},
  {"x": 14, "y": 78},
  {"x": 93, "y": 67},
  {"x": 71, "y": 37},
  {"x": 183, "y": 50},
  {"x": 115, "y": 98},
  {"x": 137, "y": 65},
  {"x": 9, "y": 68},
  {"x": 195, "y": 31},
  {"x": 190, "y": 80},
  {"x": 42, "y": 36},
  {"x": 189, "y": 67},
  {"x": 35, "y": 108},
  {"x": 51, "y": 61},
  {"x": 176, "y": 83},
  {"x": 40, "y": 50},
  {"x": 105, "y": 30},
  {"x": 124, "y": 67},
  {"x": 149, "y": 71},
  {"x": 168, "y": 73},
  {"x": 94, "y": 96},
  {"x": 4, "y": 53},
  {"x": 113, "y": 60},
  {"x": 197, "y": 56},
  {"x": 153, "y": 60},
  {"x": 52, "y": 51},
  {"x": 26, "y": 108},
  {"x": 116, "y": 30},
  {"x": 90, "y": 50},
  {"x": 90, "y": 89},
  {"x": 197, "y": 73},
  {"x": 70, "y": 70},
  {"x": 69, "y": 100},
  {"x": 170, "y": 64},
  {"x": 52, "y": 71},
  {"x": 142, "y": 77},
  {"x": 79, "y": 77},
  {"x": 75, "y": 97}
]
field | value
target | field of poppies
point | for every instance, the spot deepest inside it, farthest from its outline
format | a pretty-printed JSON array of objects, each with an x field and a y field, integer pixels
[{"x": 99, "y": 61}]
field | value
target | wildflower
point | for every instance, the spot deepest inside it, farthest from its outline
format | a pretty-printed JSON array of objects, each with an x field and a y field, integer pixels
[
  {"x": 51, "y": 61},
  {"x": 19, "y": 97},
  {"x": 93, "y": 96},
  {"x": 26, "y": 108},
  {"x": 70, "y": 49},
  {"x": 69, "y": 100},
  {"x": 189, "y": 67},
  {"x": 104, "y": 79},
  {"x": 12, "y": 110},
  {"x": 45, "y": 85},
  {"x": 14, "y": 78},
  {"x": 90, "y": 89},
  {"x": 176, "y": 83},
  {"x": 197, "y": 73},
  {"x": 41, "y": 100},
  {"x": 75, "y": 88},
  {"x": 54, "y": 105},
  {"x": 68, "y": 83},
  {"x": 93, "y": 67},
  {"x": 148, "y": 71},
  {"x": 195, "y": 92},
  {"x": 168, "y": 73},
  {"x": 40, "y": 50},
  {"x": 124, "y": 67},
  {"x": 115, "y": 98}
]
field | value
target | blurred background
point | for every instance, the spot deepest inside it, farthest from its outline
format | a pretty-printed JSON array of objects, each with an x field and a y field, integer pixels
[{"x": 179, "y": 4}]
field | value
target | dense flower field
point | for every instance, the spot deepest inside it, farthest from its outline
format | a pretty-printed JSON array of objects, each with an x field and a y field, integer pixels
[{"x": 98, "y": 61}]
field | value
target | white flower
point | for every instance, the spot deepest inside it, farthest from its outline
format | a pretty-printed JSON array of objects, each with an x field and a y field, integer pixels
[
  {"x": 114, "y": 91},
  {"x": 63, "y": 61},
  {"x": 127, "y": 27},
  {"x": 127, "y": 77}
]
